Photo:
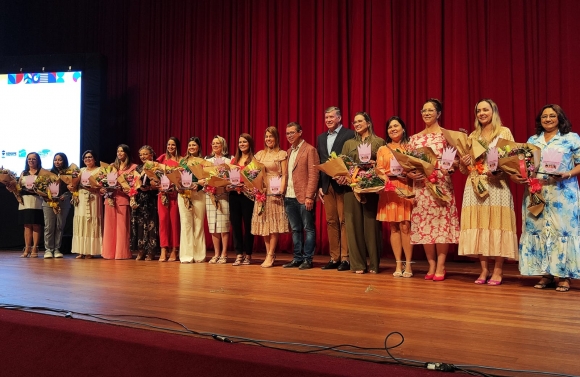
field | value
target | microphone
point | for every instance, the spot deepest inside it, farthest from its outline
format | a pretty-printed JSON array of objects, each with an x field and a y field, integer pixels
[{"x": 221, "y": 338}]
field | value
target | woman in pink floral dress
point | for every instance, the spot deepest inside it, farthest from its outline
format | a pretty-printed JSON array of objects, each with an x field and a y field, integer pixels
[{"x": 434, "y": 223}]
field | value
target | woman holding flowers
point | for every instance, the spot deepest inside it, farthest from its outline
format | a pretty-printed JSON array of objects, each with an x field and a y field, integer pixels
[
  {"x": 167, "y": 207},
  {"x": 241, "y": 207},
  {"x": 87, "y": 236},
  {"x": 363, "y": 230},
  {"x": 30, "y": 209},
  {"x": 392, "y": 207},
  {"x": 191, "y": 203},
  {"x": 488, "y": 220},
  {"x": 117, "y": 227},
  {"x": 54, "y": 222},
  {"x": 434, "y": 222},
  {"x": 272, "y": 220},
  {"x": 144, "y": 220},
  {"x": 550, "y": 242},
  {"x": 217, "y": 208}
]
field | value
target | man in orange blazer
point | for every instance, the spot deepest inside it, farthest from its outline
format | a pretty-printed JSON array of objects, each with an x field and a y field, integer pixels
[{"x": 300, "y": 198}]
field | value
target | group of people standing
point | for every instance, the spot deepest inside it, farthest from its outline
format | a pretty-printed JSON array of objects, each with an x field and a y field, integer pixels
[{"x": 549, "y": 245}]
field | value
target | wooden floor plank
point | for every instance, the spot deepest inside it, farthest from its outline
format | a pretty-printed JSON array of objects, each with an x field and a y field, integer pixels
[{"x": 511, "y": 326}]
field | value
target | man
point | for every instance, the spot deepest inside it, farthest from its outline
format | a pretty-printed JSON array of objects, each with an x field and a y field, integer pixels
[
  {"x": 300, "y": 196},
  {"x": 331, "y": 194}
]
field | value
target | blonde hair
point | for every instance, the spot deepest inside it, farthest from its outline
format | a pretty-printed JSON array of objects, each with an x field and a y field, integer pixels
[
  {"x": 496, "y": 124},
  {"x": 224, "y": 146}
]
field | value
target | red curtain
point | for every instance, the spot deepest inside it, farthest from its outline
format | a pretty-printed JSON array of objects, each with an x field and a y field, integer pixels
[{"x": 200, "y": 68}]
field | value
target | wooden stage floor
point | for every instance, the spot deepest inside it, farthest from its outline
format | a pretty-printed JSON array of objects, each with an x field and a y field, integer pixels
[{"x": 510, "y": 326}]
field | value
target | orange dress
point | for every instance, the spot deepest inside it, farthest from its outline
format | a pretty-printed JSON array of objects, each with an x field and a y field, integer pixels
[{"x": 392, "y": 207}]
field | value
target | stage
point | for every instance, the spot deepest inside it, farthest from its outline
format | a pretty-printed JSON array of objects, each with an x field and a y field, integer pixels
[{"x": 511, "y": 326}]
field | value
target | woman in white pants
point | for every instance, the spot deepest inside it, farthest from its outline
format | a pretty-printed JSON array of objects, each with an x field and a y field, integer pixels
[{"x": 192, "y": 212}]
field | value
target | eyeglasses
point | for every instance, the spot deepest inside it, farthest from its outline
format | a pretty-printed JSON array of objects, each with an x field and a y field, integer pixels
[
  {"x": 551, "y": 116},
  {"x": 292, "y": 133},
  {"x": 427, "y": 111}
]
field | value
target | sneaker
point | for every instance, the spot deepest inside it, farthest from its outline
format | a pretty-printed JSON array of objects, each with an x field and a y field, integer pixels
[
  {"x": 58, "y": 254},
  {"x": 47, "y": 254}
]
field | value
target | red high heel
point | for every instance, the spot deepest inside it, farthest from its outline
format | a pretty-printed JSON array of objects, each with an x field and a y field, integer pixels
[
  {"x": 429, "y": 277},
  {"x": 439, "y": 278}
]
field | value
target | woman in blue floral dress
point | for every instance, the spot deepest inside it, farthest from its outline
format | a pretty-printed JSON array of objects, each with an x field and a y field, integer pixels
[{"x": 550, "y": 242}]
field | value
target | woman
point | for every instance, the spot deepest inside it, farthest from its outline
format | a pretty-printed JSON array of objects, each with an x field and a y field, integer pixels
[
  {"x": 363, "y": 231},
  {"x": 87, "y": 239},
  {"x": 144, "y": 220},
  {"x": 192, "y": 212},
  {"x": 273, "y": 220},
  {"x": 393, "y": 208},
  {"x": 117, "y": 226},
  {"x": 488, "y": 224},
  {"x": 54, "y": 223},
  {"x": 434, "y": 223},
  {"x": 550, "y": 242},
  {"x": 167, "y": 207},
  {"x": 241, "y": 207},
  {"x": 30, "y": 209},
  {"x": 218, "y": 219}
]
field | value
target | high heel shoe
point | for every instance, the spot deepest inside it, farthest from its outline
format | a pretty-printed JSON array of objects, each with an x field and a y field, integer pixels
[
  {"x": 25, "y": 252},
  {"x": 439, "y": 278},
  {"x": 34, "y": 252},
  {"x": 429, "y": 276},
  {"x": 269, "y": 261},
  {"x": 163, "y": 256},
  {"x": 174, "y": 255}
]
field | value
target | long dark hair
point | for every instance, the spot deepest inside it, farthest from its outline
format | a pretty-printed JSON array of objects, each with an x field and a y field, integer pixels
[
  {"x": 177, "y": 148},
  {"x": 564, "y": 125},
  {"x": 127, "y": 150},
  {"x": 197, "y": 141},
  {"x": 64, "y": 163},
  {"x": 405, "y": 138},
  {"x": 251, "y": 145},
  {"x": 38, "y": 162}
]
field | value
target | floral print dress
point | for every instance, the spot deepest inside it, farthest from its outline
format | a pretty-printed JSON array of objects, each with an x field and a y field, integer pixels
[
  {"x": 550, "y": 243},
  {"x": 432, "y": 220}
]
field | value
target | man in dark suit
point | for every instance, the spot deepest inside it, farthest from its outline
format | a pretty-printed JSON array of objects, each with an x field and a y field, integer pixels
[
  {"x": 299, "y": 201},
  {"x": 331, "y": 194}
]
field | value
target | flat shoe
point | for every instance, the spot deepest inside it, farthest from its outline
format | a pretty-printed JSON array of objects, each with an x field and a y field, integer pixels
[{"x": 545, "y": 281}]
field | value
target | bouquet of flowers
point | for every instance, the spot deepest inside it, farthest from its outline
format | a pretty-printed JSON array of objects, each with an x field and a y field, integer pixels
[
  {"x": 424, "y": 160},
  {"x": 185, "y": 184},
  {"x": 8, "y": 178},
  {"x": 71, "y": 176},
  {"x": 366, "y": 181},
  {"x": 337, "y": 165},
  {"x": 130, "y": 183},
  {"x": 217, "y": 176},
  {"x": 523, "y": 159},
  {"x": 47, "y": 186},
  {"x": 252, "y": 176},
  {"x": 196, "y": 166},
  {"x": 260, "y": 198},
  {"x": 107, "y": 178}
]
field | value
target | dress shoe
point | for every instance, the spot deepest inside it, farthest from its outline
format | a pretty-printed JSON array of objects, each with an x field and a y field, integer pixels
[
  {"x": 305, "y": 265},
  {"x": 439, "y": 278},
  {"x": 292, "y": 264},
  {"x": 344, "y": 266},
  {"x": 331, "y": 265}
]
